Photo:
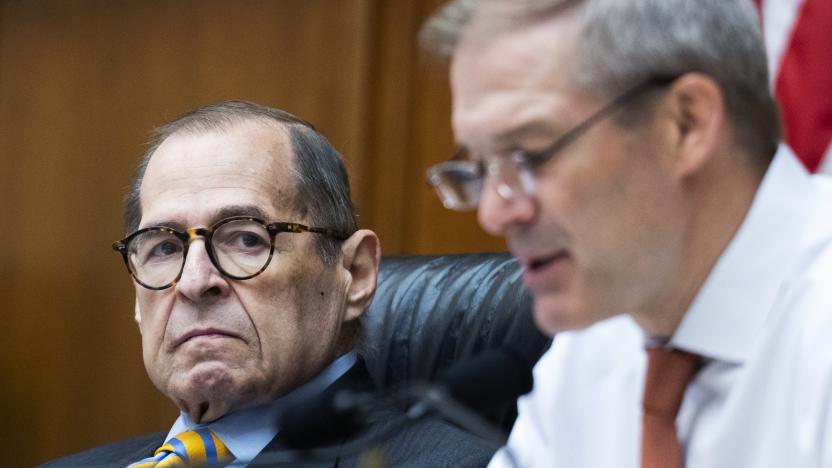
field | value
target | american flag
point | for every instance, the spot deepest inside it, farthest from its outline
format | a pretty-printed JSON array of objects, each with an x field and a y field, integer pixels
[{"x": 798, "y": 35}]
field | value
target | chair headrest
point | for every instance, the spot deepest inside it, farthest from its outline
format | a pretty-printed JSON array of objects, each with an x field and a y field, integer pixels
[{"x": 430, "y": 312}]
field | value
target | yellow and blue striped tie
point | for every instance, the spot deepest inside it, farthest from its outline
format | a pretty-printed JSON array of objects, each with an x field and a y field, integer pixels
[{"x": 194, "y": 448}]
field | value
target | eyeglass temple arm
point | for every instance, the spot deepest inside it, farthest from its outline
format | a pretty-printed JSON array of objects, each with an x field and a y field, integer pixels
[
  {"x": 629, "y": 95},
  {"x": 299, "y": 228}
]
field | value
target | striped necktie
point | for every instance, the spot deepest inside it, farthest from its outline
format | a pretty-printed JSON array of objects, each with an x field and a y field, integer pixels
[{"x": 194, "y": 448}]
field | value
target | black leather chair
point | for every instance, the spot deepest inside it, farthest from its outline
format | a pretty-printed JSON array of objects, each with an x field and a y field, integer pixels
[{"x": 430, "y": 312}]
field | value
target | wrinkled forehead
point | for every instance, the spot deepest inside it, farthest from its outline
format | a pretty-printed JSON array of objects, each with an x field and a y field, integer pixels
[
  {"x": 521, "y": 51},
  {"x": 488, "y": 19},
  {"x": 514, "y": 77},
  {"x": 195, "y": 173}
]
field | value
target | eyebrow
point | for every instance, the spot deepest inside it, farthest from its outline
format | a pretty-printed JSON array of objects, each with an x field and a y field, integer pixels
[
  {"x": 531, "y": 129},
  {"x": 228, "y": 211},
  {"x": 508, "y": 141},
  {"x": 238, "y": 210}
]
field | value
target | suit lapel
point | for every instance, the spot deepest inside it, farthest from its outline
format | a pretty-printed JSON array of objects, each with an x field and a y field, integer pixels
[
  {"x": 357, "y": 379},
  {"x": 145, "y": 448}
]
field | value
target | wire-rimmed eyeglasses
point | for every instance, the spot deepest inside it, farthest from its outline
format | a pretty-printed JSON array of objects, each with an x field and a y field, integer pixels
[
  {"x": 459, "y": 182},
  {"x": 240, "y": 247}
]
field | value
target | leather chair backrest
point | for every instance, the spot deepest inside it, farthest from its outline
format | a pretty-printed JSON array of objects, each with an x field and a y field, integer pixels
[{"x": 430, "y": 312}]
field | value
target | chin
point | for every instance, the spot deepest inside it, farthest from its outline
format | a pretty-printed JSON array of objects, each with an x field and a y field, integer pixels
[
  {"x": 209, "y": 390},
  {"x": 212, "y": 377},
  {"x": 554, "y": 314}
]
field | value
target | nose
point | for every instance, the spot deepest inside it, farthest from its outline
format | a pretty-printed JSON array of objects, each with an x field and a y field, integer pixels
[
  {"x": 200, "y": 279},
  {"x": 500, "y": 208}
]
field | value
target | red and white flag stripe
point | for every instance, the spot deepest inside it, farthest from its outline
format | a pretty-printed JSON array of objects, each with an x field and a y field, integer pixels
[{"x": 798, "y": 35}]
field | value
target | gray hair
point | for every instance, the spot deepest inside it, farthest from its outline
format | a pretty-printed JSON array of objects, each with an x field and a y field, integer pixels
[
  {"x": 626, "y": 42},
  {"x": 322, "y": 188}
]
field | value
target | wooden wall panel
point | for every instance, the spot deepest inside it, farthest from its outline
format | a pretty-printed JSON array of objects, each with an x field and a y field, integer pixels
[
  {"x": 82, "y": 83},
  {"x": 409, "y": 131}
]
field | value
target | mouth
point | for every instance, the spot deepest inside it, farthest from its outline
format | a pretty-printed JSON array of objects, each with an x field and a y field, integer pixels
[
  {"x": 205, "y": 333},
  {"x": 546, "y": 271},
  {"x": 536, "y": 263}
]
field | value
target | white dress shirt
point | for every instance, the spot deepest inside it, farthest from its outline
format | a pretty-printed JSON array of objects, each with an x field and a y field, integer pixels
[{"x": 762, "y": 320}]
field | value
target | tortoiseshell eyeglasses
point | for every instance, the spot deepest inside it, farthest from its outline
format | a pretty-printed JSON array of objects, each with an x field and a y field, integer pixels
[{"x": 240, "y": 247}]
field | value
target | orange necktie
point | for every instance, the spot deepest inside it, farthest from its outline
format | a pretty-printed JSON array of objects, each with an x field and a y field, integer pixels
[{"x": 669, "y": 371}]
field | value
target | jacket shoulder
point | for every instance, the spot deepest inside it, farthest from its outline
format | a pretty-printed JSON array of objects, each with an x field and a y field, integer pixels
[{"x": 119, "y": 453}]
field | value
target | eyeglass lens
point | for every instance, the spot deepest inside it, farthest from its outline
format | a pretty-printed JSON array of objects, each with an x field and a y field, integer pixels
[
  {"x": 458, "y": 183},
  {"x": 512, "y": 177},
  {"x": 455, "y": 181},
  {"x": 241, "y": 249}
]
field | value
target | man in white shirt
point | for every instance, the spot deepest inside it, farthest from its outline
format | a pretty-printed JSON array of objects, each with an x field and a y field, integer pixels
[{"x": 628, "y": 152}]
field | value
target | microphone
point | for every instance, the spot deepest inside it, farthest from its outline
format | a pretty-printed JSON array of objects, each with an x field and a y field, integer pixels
[
  {"x": 489, "y": 379},
  {"x": 325, "y": 419}
]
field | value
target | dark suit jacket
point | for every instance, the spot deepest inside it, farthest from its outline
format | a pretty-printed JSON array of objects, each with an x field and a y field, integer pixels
[{"x": 429, "y": 442}]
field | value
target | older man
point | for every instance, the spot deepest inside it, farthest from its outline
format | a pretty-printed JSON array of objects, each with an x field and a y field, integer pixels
[
  {"x": 251, "y": 277},
  {"x": 628, "y": 152}
]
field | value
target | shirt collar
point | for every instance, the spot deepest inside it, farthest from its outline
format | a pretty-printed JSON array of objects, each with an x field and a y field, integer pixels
[
  {"x": 727, "y": 315},
  {"x": 248, "y": 431}
]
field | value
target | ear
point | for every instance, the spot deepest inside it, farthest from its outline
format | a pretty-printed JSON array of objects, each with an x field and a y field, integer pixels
[
  {"x": 696, "y": 121},
  {"x": 137, "y": 316},
  {"x": 360, "y": 254}
]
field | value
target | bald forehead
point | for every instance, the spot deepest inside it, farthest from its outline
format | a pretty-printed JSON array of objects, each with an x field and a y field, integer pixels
[
  {"x": 193, "y": 170},
  {"x": 258, "y": 140},
  {"x": 270, "y": 130}
]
